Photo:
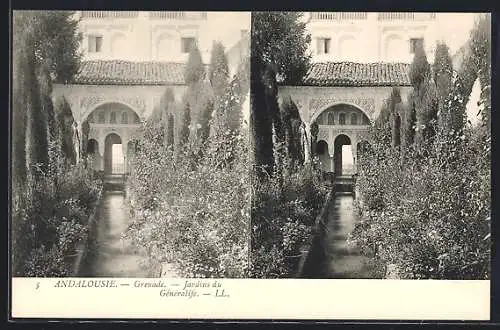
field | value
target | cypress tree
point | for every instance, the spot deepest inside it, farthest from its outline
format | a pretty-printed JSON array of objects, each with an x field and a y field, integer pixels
[
  {"x": 85, "y": 139},
  {"x": 443, "y": 73},
  {"x": 260, "y": 120},
  {"x": 48, "y": 109},
  {"x": 424, "y": 93},
  {"x": 481, "y": 53},
  {"x": 395, "y": 100},
  {"x": 166, "y": 105},
  {"x": 186, "y": 122},
  {"x": 218, "y": 70},
  {"x": 292, "y": 123},
  {"x": 206, "y": 116},
  {"x": 170, "y": 130},
  {"x": 314, "y": 137},
  {"x": 410, "y": 120},
  {"x": 271, "y": 91},
  {"x": 66, "y": 124},
  {"x": 36, "y": 129},
  {"x": 195, "y": 70},
  {"x": 20, "y": 87}
]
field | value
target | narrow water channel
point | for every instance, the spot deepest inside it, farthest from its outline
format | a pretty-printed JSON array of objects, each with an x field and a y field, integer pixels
[
  {"x": 114, "y": 256},
  {"x": 337, "y": 259}
]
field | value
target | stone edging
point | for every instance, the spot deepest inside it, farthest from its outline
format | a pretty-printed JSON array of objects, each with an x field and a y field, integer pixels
[
  {"x": 318, "y": 231},
  {"x": 84, "y": 244}
]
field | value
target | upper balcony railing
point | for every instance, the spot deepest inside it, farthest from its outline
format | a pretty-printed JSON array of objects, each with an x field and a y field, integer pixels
[
  {"x": 109, "y": 14},
  {"x": 338, "y": 16},
  {"x": 397, "y": 16},
  {"x": 177, "y": 15}
]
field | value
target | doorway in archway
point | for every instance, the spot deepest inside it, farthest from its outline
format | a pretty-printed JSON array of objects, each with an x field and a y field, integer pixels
[
  {"x": 343, "y": 156},
  {"x": 114, "y": 162}
]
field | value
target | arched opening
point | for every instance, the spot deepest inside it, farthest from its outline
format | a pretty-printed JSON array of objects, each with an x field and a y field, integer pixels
[
  {"x": 125, "y": 118},
  {"x": 343, "y": 156},
  {"x": 345, "y": 113},
  {"x": 331, "y": 118},
  {"x": 342, "y": 118},
  {"x": 93, "y": 156},
  {"x": 116, "y": 113},
  {"x": 114, "y": 161}
]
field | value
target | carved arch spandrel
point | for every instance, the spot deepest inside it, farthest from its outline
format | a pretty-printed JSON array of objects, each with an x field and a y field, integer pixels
[
  {"x": 318, "y": 105},
  {"x": 89, "y": 103}
]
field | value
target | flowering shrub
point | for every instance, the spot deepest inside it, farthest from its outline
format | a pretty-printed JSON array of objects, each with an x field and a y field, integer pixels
[
  {"x": 282, "y": 220},
  {"x": 191, "y": 211},
  {"x": 428, "y": 212},
  {"x": 50, "y": 219}
]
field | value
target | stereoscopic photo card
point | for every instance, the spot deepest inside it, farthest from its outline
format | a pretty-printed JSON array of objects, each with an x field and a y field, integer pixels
[{"x": 250, "y": 165}]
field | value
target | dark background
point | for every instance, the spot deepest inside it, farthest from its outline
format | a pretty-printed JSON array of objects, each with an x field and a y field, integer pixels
[{"x": 255, "y": 5}]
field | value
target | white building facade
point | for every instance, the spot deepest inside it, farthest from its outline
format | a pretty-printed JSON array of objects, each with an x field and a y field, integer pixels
[
  {"x": 382, "y": 36},
  {"x": 357, "y": 58},
  {"x": 158, "y": 35},
  {"x": 130, "y": 59}
]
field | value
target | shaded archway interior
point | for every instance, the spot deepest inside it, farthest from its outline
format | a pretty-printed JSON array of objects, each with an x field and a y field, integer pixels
[
  {"x": 111, "y": 125},
  {"x": 343, "y": 114},
  {"x": 340, "y": 127},
  {"x": 113, "y": 113}
]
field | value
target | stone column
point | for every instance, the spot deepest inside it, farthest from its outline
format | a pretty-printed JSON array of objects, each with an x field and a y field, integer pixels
[
  {"x": 102, "y": 148},
  {"x": 307, "y": 143},
  {"x": 124, "y": 151},
  {"x": 354, "y": 149}
]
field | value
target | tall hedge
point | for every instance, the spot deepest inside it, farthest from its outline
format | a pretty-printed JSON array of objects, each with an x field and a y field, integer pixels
[
  {"x": 21, "y": 84},
  {"x": 425, "y": 96},
  {"x": 185, "y": 126},
  {"x": 443, "y": 74}
]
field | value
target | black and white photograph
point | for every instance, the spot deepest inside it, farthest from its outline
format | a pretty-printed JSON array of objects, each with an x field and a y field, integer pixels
[
  {"x": 371, "y": 145},
  {"x": 225, "y": 165},
  {"x": 130, "y": 144}
]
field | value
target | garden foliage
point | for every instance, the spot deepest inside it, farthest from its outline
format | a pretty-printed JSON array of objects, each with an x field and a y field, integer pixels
[
  {"x": 52, "y": 197},
  {"x": 428, "y": 210},
  {"x": 287, "y": 195},
  {"x": 192, "y": 205}
]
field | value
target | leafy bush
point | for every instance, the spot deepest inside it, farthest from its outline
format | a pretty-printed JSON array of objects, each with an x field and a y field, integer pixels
[
  {"x": 282, "y": 220},
  {"x": 196, "y": 218},
  {"x": 430, "y": 216},
  {"x": 50, "y": 219}
]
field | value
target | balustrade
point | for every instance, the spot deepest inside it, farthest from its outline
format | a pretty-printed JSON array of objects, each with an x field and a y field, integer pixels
[
  {"x": 174, "y": 15},
  {"x": 177, "y": 15},
  {"x": 395, "y": 16},
  {"x": 109, "y": 14},
  {"x": 339, "y": 16}
]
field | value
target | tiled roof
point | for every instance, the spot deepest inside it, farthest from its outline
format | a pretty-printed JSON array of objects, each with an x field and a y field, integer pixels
[
  {"x": 358, "y": 74},
  {"x": 117, "y": 72}
]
